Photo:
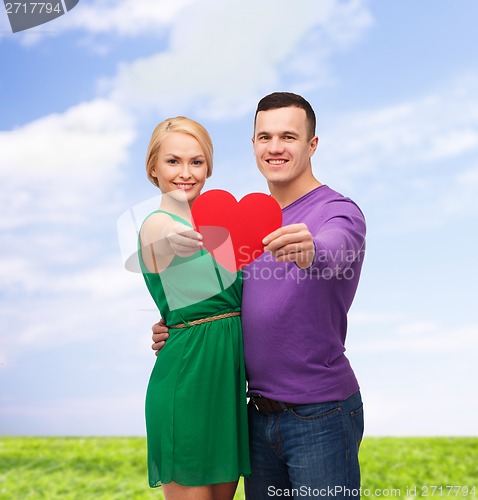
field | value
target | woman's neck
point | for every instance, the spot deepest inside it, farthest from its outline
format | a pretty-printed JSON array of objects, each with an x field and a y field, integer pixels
[{"x": 175, "y": 204}]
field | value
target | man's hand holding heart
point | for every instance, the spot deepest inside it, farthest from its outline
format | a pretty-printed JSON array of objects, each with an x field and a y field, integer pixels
[{"x": 292, "y": 243}]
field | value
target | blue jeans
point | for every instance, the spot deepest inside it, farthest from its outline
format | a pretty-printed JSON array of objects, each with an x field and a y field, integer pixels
[{"x": 305, "y": 452}]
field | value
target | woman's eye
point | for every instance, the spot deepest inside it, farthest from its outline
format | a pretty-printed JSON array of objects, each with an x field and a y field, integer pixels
[
  {"x": 197, "y": 162},
  {"x": 172, "y": 162}
]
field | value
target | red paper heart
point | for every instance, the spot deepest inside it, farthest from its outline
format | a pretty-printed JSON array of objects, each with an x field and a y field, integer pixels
[{"x": 227, "y": 225}]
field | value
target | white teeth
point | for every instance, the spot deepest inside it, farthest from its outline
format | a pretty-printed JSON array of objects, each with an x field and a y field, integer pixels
[{"x": 276, "y": 162}]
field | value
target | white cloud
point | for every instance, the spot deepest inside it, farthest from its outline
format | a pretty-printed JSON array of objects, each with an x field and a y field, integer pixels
[
  {"x": 461, "y": 196},
  {"x": 54, "y": 167},
  {"x": 94, "y": 307},
  {"x": 406, "y": 364},
  {"x": 395, "y": 409},
  {"x": 73, "y": 144},
  {"x": 412, "y": 164},
  {"x": 224, "y": 55},
  {"x": 370, "y": 318},
  {"x": 82, "y": 345},
  {"x": 418, "y": 133},
  {"x": 223, "y": 29},
  {"x": 105, "y": 280},
  {"x": 58, "y": 176},
  {"x": 123, "y": 17},
  {"x": 105, "y": 415},
  {"x": 412, "y": 336}
]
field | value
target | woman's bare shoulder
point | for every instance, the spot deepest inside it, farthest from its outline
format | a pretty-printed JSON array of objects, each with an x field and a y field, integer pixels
[{"x": 153, "y": 225}]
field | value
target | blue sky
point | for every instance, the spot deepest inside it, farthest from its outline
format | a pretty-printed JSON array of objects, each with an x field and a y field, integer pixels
[{"x": 395, "y": 89}]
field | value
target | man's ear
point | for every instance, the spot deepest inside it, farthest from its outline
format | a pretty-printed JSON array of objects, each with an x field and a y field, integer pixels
[{"x": 314, "y": 142}]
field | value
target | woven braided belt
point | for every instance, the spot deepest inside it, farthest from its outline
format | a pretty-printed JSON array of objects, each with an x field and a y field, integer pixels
[{"x": 206, "y": 320}]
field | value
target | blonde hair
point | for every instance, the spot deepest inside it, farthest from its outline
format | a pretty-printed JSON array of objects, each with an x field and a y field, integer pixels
[{"x": 182, "y": 125}]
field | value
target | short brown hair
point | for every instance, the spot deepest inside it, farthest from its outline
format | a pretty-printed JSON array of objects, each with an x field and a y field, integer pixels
[{"x": 278, "y": 100}]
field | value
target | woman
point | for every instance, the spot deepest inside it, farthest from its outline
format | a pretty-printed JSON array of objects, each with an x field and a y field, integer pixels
[{"x": 196, "y": 415}]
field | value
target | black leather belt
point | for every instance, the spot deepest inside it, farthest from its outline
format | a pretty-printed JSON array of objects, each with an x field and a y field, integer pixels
[{"x": 266, "y": 405}]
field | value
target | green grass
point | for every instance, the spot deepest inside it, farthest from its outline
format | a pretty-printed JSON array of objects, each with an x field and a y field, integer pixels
[
  {"x": 404, "y": 463},
  {"x": 115, "y": 468}
]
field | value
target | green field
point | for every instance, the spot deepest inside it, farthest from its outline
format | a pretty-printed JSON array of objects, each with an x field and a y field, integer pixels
[{"x": 115, "y": 468}]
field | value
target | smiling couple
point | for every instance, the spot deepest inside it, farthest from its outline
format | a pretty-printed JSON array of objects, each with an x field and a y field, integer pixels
[{"x": 303, "y": 424}]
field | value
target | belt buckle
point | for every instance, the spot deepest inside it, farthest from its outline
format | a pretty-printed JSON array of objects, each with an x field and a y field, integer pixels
[{"x": 254, "y": 397}]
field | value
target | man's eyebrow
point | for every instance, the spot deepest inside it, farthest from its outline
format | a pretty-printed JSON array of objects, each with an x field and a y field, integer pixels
[{"x": 285, "y": 132}]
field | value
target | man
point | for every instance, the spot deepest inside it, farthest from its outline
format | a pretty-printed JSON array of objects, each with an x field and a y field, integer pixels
[{"x": 305, "y": 410}]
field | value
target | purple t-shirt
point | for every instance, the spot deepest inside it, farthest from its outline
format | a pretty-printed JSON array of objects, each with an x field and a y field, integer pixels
[{"x": 295, "y": 320}]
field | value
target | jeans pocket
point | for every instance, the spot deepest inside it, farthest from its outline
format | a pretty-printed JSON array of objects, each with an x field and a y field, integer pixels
[
  {"x": 357, "y": 419},
  {"x": 315, "y": 411}
]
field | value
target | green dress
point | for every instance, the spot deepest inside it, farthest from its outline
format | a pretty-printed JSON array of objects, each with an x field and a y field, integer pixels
[{"x": 196, "y": 415}]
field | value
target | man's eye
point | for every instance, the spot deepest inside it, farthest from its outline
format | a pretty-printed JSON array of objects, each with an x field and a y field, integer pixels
[{"x": 263, "y": 137}]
